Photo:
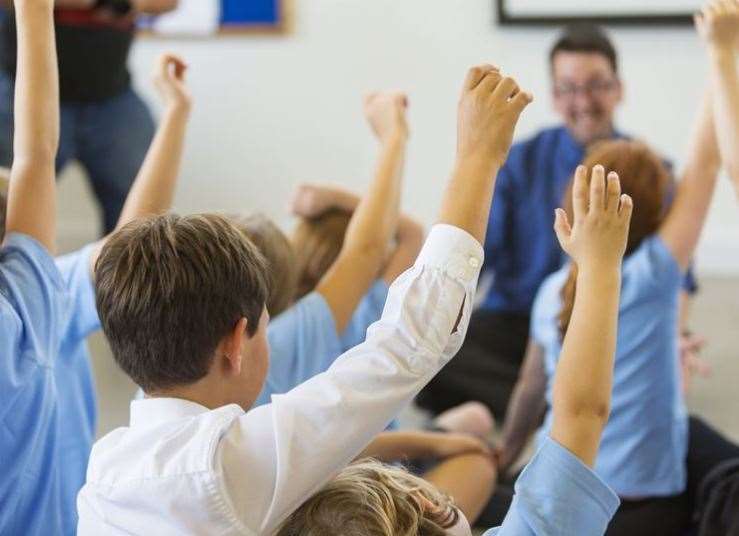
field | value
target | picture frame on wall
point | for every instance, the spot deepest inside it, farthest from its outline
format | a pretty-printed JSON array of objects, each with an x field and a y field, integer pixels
[
  {"x": 635, "y": 12},
  {"x": 203, "y": 18}
]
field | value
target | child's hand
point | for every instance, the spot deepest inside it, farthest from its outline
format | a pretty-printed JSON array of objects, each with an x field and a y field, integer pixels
[
  {"x": 448, "y": 445},
  {"x": 169, "y": 79},
  {"x": 718, "y": 24},
  {"x": 601, "y": 220},
  {"x": 487, "y": 114},
  {"x": 310, "y": 200},
  {"x": 385, "y": 112}
]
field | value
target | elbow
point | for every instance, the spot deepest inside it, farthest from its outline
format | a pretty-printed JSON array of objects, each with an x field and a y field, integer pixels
[{"x": 590, "y": 410}]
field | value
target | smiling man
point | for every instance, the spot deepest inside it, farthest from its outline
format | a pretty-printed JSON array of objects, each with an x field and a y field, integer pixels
[{"x": 521, "y": 248}]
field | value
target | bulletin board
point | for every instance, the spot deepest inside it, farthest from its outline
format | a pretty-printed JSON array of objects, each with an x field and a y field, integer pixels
[{"x": 213, "y": 17}]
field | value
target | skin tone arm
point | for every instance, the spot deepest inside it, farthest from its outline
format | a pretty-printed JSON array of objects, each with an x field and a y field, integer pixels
[
  {"x": 401, "y": 445},
  {"x": 153, "y": 189},
  {"x": 718, "y": 26},
  {"x": 32, "y": 193},
  {"x": 311, "y": 201},
  {"x": 596, "y": 243},
  {"x": 375, "y": 219},
  {"x": 527, "y": 405},
  {"x": 151, "y": 7}
]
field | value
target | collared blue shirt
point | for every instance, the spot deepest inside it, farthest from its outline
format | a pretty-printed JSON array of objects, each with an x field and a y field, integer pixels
[
  {"x": 644, "y": 445},
  {"x": 558, "y": 495},
  {"x": 521, "y": 248},
  {"x": 46, "y": 402},
  {"x": 304, "y": 341}
]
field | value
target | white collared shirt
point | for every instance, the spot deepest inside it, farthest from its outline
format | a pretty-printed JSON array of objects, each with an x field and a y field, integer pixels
[{"x": 180, "y": 468}]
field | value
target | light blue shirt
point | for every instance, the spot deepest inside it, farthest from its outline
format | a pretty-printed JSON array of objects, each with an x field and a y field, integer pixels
[
  {"x": 643, "y": 450},
  {"x": 304, "y": 341},
  {"x": 558, "y": 495}
]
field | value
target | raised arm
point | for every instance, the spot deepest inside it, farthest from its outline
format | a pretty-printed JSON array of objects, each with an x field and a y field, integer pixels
[
  {"x": 682, "y": 227},
  {"x": 32, "y": 192},
  {"x": 311, "y": 201},
  {"x": 488, "y": 111},
  {"x": 526, "y": 407},
  {"x": 596, "y": 243},
  {"x": 153, "y": 189},
  {"x": 718, "y": 25},
  {"x": 375, "y": 219}
]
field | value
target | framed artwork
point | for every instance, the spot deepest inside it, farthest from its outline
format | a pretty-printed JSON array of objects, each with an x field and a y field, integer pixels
[
  {"x": 542, "y": 12},
  {"x": 212, "y": 17}
]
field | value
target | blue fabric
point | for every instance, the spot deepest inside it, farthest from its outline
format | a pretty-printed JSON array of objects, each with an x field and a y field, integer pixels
[
  {"x": 644, "y": 445},
  {"x": 74, "y": 380},
  {"x": 558, "y": 495},
  {"x": 91, "y": 134},
  {"x": 304, "y": 342},
  {"x": 521, "y": 248},
  {"x": 32, "y": 310}
]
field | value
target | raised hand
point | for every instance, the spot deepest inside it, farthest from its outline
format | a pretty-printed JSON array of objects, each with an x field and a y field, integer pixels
[
  {"x": 385, "y": 112},
  {"x": 169, "y": 79},
  {"x": 718, "y": 24},
  {"x": 488, "y": 111},
  {"x": 311, "y": 200},
  {"x": 602, "y": 215}
]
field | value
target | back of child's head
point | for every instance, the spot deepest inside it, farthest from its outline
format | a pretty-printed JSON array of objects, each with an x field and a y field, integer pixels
[
  {"x": 372, "y": 499},
  {"x": 280, "y": 257},
  {"x": 645, "y": 178},
  {"x": 317, "y": 243},
  {"x": 4, "y": 183},
  {"x": 170, "y": 288}
]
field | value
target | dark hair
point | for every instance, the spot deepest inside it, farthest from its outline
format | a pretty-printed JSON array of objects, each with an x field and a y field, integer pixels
[
  {"x": 645, "y": 178},
  {"x": 584, "y": 37},
  {"x": 169, "y": 288}
]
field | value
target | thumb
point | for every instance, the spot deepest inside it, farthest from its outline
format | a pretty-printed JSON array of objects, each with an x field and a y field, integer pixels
[{"x": 562, "y": 227}]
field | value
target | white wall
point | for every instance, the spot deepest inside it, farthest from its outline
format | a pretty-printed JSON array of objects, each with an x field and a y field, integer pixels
[{"x": 271, "y": 111}]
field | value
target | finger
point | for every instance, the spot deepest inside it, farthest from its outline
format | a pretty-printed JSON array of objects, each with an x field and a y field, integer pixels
[
  {"x": 597, "y": 189},
  {"x": 521, "y": 101},
  {"x": 562, "y": 227},
  {"x": 613, "y": 192},
  {"x": 489, "y": 82},
  {"x": 626, "y": 208},
  {"x": 476, "y": 74},
  {"x": 506, "y": 89},
  {"x": 580, "y": 193}
]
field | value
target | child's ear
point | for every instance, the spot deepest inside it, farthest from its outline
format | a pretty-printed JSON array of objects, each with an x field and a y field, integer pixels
[{"x": 233, "y": 347}]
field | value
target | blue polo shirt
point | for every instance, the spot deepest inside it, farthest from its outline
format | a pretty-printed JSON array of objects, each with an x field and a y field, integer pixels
[
  {"x": 304, "y": 342},
  {"x": 521, "y": 248},
  {"x": 558, "y": 495},
  {"x": 46, "y": 404},
  {"x": 644, "y": 445}
]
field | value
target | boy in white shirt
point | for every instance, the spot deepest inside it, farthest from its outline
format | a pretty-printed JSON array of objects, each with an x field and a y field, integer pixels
[{"x": 181, "y": 300}]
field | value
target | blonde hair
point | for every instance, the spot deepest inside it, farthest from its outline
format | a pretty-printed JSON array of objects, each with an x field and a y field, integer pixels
[
  {"x": 369, "y": 498},
  {"x": 280, "y": 257},
  {"x": 317, "y": 243}
]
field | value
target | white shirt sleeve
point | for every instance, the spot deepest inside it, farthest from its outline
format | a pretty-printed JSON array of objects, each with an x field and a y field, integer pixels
[{"x": 276, "y": 456}]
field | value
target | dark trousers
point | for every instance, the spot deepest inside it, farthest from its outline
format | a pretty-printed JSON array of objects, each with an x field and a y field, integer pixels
[{"x": 486, "y": 367}]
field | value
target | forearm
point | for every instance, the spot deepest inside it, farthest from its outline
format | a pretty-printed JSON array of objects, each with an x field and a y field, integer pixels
[
  {"x": 726, "y": 108},
  {"x": 468, "y": 197},
  {"x": 581, "y": 408},
  {"x": 522, "y": 418},
  {"x": 154, "y": 187},
  {"x": 395, "y": 446},
  {"x": 31, "y": 197}
]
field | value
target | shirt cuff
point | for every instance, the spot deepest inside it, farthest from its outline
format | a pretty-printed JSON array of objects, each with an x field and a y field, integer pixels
[{"x": 453, "y": 251}]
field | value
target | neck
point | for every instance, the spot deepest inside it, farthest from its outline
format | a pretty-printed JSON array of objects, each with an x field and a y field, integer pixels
[{"x": 209, "y": 392}]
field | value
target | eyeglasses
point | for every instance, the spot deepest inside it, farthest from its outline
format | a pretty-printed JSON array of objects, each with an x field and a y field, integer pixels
[{"x": 594, "y": 88}]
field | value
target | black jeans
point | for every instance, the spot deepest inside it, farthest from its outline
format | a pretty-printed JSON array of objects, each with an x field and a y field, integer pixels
[{"x": 486, "y": 367}]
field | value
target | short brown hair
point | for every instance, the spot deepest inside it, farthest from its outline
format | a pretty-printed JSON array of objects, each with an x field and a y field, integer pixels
[
  {"x": 169, "y": 288},
  {"x": 586, "y": 38},
  {"x": 369, "y": 498},
  {"x": 318, "y": 242},
  {"x": 280, "y": 257},
  {"x": 645, "y": 178}
]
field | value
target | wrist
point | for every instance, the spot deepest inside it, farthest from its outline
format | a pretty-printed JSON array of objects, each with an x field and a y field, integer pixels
[
  {"x": 602, "y": 272},
  {"x": 394, "y": 139},
  {"x": 178, "y": 108},
  {"x": 472, "y": 164},
  {"x": 722, "y": 52}
]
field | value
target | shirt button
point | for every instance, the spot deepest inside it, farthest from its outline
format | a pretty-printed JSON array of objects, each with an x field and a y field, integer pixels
[{"x": 474, "y": 262}]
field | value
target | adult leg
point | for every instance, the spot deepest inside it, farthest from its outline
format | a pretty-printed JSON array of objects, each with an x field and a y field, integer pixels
[
  {"x": 486, "y": 367},
  {"x": 113, "y": 137},
  {"x": 662, "y": 516}
]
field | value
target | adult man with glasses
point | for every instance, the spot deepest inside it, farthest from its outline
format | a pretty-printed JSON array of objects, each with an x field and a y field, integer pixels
[{"x": 521, "y": 249}]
